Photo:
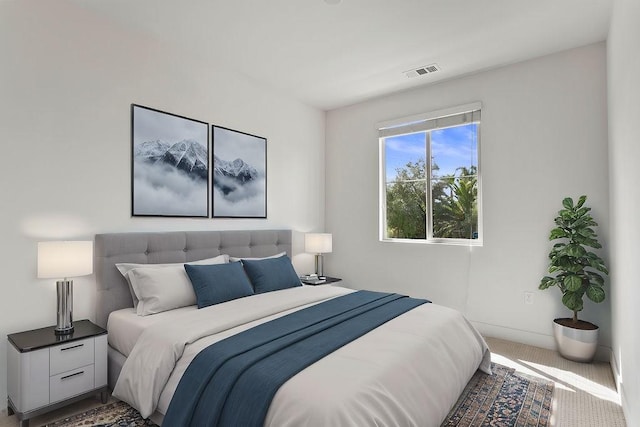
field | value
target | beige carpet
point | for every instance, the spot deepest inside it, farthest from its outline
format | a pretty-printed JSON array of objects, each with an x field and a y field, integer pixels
[{"x": 585, "y": 394}]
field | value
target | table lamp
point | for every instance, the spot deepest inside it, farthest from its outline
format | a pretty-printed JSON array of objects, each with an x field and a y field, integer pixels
[
  {"x": 318, "y": 244},
  {"x": 58, "y": 260}
]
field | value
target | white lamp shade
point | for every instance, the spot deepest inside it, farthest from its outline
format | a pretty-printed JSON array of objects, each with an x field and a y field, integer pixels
[
  {"x": 58, "y": 260},
  {"x": 318, "y": 243}
]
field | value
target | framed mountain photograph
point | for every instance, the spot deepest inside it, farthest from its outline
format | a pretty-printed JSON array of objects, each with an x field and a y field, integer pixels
[
  {"x": 239, "y": 174},
  {"x": 170, "y": 164}
]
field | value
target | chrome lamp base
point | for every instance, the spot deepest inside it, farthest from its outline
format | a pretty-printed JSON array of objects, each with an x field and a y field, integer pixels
[
  {"x": 64, "y": 325},
  {"x": 319, "y": 265}
]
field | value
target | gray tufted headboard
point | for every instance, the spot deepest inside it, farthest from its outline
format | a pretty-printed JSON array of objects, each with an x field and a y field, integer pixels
[{"x": 172, "y": 246}]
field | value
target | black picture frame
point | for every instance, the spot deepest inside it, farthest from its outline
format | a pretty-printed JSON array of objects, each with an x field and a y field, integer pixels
[
  {"x": 239, "y": 174},
  {"x": 169, "y": 164}
]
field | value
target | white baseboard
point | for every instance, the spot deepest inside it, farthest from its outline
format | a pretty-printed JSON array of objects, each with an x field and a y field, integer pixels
[
  {"x": 616, "y": 373},
  {"x": 615, "y": 370},
  {"x": 603, "y": 353},
  {"x": 624, "y": 403}
]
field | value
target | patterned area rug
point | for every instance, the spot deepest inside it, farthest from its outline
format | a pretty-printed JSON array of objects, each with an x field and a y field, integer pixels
[
  {"x": 114, "y": 414},
  {"x": 504, "y": 399}
]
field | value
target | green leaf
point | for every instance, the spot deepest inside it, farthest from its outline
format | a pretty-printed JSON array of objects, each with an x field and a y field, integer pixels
[
  {"x": 557, "y": 233},
  {"x": 576, "y": 251},
  {"x": 586, "y": 241},
  {"x": 595, "y": 293},
  {"x": 567, "y": 203},
  {"x": 559, "y": 222},
  {"x": 574, "y": 268},
  {"x": 581, "y": 201},
  {"x": 595, "y": 244},
  {"x": 582, "y": 212},
  {"x": 587, "y": 232},
  {"x": 594, "y": 256},
  {"x": 546, "y": 282},
  {"x": 573, "y": 283},
  {"x": 554, "y": 268},
  {"x": 566, "y": 216},
  {"x": 564, "y": 262},
  {"x": 595, "y": 278},
  {"x": 578, "y": 223},
  {"x": 587, "y": 221},
  {"x": 573, "y": 301},
  {"x": 595, "y": 264}
]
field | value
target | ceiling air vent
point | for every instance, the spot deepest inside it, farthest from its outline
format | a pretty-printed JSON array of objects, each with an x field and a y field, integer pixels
[{"x": 427, "y": 69}]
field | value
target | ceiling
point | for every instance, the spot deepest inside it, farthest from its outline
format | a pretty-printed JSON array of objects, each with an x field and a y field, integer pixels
[{"x": 332, "y": 55}]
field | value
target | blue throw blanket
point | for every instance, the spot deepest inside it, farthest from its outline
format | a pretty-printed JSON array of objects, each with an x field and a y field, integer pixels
[{"x": 247, "y": 369}]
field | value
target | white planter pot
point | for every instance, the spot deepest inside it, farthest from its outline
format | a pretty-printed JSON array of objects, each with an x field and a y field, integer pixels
[{"x": 579, "y": 345}]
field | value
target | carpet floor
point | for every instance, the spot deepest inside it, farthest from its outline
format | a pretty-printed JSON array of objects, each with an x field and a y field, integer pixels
[{"x": 505, "y": 398}]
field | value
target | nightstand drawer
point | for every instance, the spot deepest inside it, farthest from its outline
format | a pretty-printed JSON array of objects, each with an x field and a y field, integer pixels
[
  {"x": 70, "y": 356},
  {"x": 71, "y": 383}
]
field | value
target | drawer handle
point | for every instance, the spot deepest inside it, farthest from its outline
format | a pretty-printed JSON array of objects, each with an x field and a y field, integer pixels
[
  {"x": 72, "y": 375},
  {"x": 71, "y": 348}
]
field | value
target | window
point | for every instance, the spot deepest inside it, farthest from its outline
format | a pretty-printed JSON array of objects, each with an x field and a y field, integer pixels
[{"x": 436, "y": 200}]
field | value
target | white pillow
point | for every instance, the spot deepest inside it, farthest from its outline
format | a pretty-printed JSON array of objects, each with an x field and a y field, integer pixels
[
  {"x": 234, "y": 259},
  {"x": 124, "y": 268},
  {"x": 161, "y": 289}
]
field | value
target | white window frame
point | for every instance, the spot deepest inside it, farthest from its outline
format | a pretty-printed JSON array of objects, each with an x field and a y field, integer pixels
[{"x": 420, "y": 123}]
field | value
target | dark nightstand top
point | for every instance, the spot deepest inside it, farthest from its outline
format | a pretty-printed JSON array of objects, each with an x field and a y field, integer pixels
[
  {"x": 46, "y": 337},
  {"x": 327, "y": 281}
]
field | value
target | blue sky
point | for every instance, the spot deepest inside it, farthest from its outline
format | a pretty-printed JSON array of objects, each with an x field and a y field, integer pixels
[{"x": 450, "y": 147}]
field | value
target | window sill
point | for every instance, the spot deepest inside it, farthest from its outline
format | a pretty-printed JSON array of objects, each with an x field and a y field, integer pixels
[{"x": 447, "y": 242}]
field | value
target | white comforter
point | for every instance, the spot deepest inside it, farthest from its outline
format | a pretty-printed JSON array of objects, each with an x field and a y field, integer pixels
[{"x": 409, "y": 371}]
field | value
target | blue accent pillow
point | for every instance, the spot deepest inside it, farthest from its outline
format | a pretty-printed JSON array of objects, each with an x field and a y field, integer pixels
[
  {"x": 271, "y": 274},
  {"x": 218, "y": 283}
]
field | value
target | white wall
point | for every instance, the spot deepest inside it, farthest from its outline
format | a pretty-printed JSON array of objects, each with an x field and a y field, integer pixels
[
  {"x": 623, "y": 62},
  {"x": 66, "y": 84},
  {"x": 543, "y": 137}
]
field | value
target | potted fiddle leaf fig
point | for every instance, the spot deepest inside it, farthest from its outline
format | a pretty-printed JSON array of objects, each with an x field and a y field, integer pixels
[{"x": 576, "y": 271}]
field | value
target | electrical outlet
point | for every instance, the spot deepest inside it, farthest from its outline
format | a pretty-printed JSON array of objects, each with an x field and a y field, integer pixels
[{"x": 528, "y": 297}]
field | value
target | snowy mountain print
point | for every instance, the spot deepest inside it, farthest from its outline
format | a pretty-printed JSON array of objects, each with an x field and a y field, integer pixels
[
  {"x": 239, "y": 174},
  {"x": 188, "y": 156},
  {"x": 170, "y": 164},
  {"x": 227, "y": 176}
]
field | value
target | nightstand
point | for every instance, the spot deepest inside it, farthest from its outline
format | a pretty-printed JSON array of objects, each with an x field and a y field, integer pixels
[
  {"x": 328, "y": 280},
  {"x": 46, "y": 371}
]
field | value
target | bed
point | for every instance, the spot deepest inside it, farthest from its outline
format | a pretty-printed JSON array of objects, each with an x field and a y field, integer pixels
[{"x": 408, "y": 371}]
